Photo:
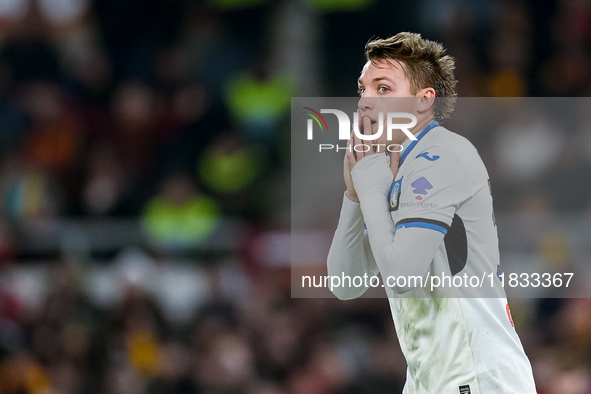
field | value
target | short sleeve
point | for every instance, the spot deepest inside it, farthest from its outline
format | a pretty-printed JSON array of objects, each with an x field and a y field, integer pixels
[{"x": 432, "y": 190}]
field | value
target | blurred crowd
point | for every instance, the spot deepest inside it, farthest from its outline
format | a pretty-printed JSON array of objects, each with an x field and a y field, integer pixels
[{"x": 174, "y": 114}]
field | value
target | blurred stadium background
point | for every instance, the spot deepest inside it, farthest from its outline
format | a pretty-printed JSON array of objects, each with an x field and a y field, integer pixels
[{"x": 145, "y": 189}]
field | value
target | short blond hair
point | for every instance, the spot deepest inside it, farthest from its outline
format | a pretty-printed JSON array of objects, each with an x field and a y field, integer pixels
[{"x": 426, "y": 66}]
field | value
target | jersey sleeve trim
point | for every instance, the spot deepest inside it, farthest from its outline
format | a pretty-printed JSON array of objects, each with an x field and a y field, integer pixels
[{"x": 423, "y": 223}]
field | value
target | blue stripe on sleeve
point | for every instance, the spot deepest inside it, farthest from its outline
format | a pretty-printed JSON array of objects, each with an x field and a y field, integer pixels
[{"x": 423, "y": 225}]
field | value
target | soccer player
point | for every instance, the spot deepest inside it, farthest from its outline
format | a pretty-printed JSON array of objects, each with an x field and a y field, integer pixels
[{"x": 425, "y": 212}]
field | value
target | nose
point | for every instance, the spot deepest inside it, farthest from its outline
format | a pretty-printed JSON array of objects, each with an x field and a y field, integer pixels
[{"x": 364, "y": 104}]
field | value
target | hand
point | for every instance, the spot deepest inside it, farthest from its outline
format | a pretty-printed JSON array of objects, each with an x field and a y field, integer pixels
[
  {"x": 347, "y": 167},
  {"x": 375, "y": 146}
]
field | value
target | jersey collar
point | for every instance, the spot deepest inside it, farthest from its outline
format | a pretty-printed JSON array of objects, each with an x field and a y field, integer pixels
[{"x": 410, "y": 144}]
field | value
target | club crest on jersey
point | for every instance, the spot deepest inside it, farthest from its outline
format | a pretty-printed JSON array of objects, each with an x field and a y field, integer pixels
[{"x": 394, "y": 196}]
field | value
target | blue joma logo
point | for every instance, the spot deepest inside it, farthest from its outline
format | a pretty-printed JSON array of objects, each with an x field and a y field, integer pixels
[{"x": 426, "y": 156}]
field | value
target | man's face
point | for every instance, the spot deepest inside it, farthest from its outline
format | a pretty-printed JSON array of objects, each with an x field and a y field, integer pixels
[
  {"x": 379, "y": 85},
  {"x": 384, "y": 79}
]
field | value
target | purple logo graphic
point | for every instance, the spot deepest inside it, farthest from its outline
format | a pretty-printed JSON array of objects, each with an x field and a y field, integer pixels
[{"x": 421, "y": 185}]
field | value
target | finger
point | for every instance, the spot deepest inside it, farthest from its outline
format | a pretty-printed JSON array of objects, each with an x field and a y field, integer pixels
[
  {"x": 359, "y": 121},
  {"x": 383, "y": 139},
  {"x": 367, "y": 131},
  {"x": 350, "y": 155},
  {"x": 360, "y": 152},
  {"x": 349, "y": 162}
]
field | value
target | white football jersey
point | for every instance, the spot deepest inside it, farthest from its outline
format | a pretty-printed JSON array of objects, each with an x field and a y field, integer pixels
[{"x": 464, "y": 343}]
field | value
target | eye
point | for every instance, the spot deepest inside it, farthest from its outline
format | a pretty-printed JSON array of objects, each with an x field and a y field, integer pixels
[
  {"x": 383, "y": 89},
  {"x": 360, "y": 91}
]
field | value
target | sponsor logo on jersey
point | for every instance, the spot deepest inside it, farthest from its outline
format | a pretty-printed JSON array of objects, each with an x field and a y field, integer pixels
[
  {"x": 426, "y": 156},
  {"x": 417, "y": 204},
  {"x": 394, "y": 196},
  {"x": 422, "y": 187}
]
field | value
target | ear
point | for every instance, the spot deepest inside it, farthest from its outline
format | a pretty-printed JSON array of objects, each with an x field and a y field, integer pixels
[{"x": 426, "y": 99}]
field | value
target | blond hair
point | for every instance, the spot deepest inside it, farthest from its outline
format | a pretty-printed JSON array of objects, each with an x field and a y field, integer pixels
[{"x": 426, "y": 65}]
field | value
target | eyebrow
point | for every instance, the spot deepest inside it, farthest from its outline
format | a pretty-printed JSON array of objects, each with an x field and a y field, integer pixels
[{"x": 378, "y": 79}]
